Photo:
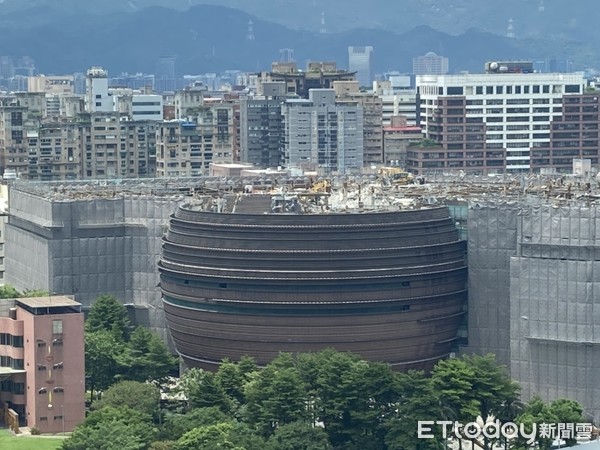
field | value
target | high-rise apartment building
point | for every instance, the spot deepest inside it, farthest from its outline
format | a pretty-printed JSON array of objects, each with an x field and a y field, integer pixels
[
  {"x": 188, "y": 148},
  {"x": 347, "y": 92},
  {"x": 15, "y": 123},
  {"x": 164, "y": 75},
  {"x": 318, "y": 75},
  {"x": 42, "y": 362},
  {"x": 430, "y": 64},
  {"x": 398, "y": 99},
  {"x": 188, "y": 101},
  {"x": 477, "y": 118},
  {"x": 54, "y": 152},
  {"x": 97, "y": 98},
  {"x": 360, "y": 61},
  {"x": 319, "y": 132},
  {"x": 117, "y": 148},
  {"x": 261, "y": 131}
]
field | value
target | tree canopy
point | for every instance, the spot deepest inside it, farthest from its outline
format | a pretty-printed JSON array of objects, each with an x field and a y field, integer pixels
[{"x": 308, "y": 401}]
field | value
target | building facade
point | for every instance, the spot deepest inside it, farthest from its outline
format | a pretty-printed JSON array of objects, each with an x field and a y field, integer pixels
[
  {"x": 478, "y": 117},
  {"x": 318, "y": 75},
  {"x": 97, "y": 97},
  {"x": 573, "y": 135},
  {"x": 42, "y": 373},
  {"x": 261, "y": 131},
  {"x": 320, "y": 132},
  {"x": 353, "y": 282},
  {"x": 360, "y": 60},
  {"x": 430, "y": 64},
  {"x": 533, "y": 295},
  {"x": 347, "y": 92},
  {"x": 187, "y": 148}
]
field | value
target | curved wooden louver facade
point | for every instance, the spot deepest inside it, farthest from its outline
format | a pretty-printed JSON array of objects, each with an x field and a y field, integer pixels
[{"x": 390, "y": 286}]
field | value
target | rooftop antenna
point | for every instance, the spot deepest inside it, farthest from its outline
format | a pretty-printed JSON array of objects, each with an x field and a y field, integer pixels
[
  {"x": 323, "y": 30},
  {"x": 250, "y": 35},
  {"x": 510, "y": 30}
]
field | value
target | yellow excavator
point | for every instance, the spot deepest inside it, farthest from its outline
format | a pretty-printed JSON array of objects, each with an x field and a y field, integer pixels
[
  {"x": 321, "y": 186},
  {"x": 396, "y": 175}
]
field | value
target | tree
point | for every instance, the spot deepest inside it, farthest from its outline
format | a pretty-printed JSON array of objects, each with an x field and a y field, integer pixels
[
  {"x": 112, "y": 429},
  {"x": 146, "y": 357},
  {"x": 298, "y": 436},
  {"x": 202, "y": 389},
  {"x": 208, "y": 438},
  {"x": 417, "y": 400},
  {"x": 34, "y": 293},
  {"x": 141, "y": 397},
  {"x": 351, "y": 398},
  {"x": 567, "y": 411},
  {"x": 8, "y": 291},
  {"x": 176, "y": 425},
  {"x": 535, "y": 412},
  {"x": 108, "y": 314},
  {"x": 277, "y": 396},
  {"x": 101, "y": 353}
]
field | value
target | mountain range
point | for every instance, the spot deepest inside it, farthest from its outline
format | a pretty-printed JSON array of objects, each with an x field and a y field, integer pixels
[{"x": 71, "y": 35}]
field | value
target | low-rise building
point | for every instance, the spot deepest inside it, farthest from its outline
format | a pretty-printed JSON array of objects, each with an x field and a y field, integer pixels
[{"x": 42, "y": 369}]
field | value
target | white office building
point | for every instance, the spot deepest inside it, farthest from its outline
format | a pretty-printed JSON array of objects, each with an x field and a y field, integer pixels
[
  {"x": 516, "y": 110},
  {"x": 147, "y": 107}
]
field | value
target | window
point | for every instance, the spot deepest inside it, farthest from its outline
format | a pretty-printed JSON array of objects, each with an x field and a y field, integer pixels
[
  {"x": 572, "y": 88},
  {"x": 455, "y": 90},
  {"x": 405, "y": 284},
  {"x": 58, "y": 389},
  {"x": 57, "y": 327},
  {"x": 43, "y": 419}
]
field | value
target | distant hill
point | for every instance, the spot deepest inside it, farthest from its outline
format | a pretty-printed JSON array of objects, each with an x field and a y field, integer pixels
[
  {"x": 209, "y": 38},
  {"x": 572, "y": 19}
]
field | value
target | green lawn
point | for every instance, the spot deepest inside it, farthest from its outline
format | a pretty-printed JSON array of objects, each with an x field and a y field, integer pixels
[{"x": 10, "y": 442}]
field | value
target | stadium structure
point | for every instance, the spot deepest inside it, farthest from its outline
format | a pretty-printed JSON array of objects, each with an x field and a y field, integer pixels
[{"x": 257, "y": 274}]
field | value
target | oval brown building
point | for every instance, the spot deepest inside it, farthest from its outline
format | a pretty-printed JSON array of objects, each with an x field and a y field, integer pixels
[{"x": 389, "y": 286}]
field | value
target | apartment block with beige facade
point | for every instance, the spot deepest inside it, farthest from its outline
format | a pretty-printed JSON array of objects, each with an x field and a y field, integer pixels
[
  {"x": 187, "y": 148},
  {"x": 347, "y": 92},
  {"x": 42, "y": 370},
  {"x": 15, "y": 122},
  {"x": 54, "y": 152},
  {"x": 114, "y": 147}
]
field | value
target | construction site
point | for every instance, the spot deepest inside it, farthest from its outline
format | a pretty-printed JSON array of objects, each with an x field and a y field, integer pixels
[{"x": 530, "y": 244}]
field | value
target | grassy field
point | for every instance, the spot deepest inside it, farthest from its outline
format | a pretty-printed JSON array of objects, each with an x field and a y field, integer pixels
[{"x": 10, "y": 442}]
